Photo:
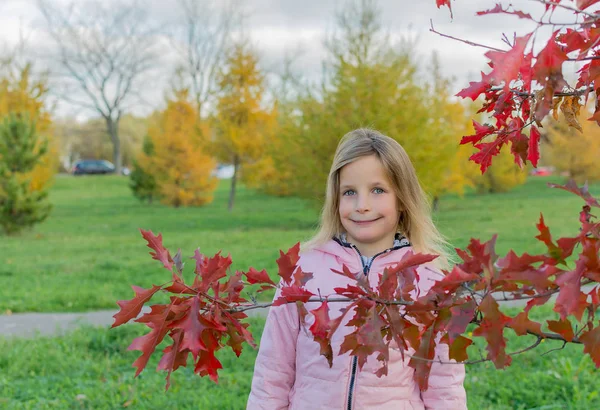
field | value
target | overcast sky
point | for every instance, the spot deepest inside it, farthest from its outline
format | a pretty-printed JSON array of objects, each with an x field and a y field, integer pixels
[{"x": 279, "y": 25}]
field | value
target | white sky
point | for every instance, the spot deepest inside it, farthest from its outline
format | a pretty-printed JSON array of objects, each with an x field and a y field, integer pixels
[{"x": 279, "y": 25}]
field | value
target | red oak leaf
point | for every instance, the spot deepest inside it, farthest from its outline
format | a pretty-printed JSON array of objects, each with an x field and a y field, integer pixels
[
  {"x": 455, "y": 278},
  {"x": 301, "y": 277},
  {"x": 487, "y": 151},
  {"x": 458, "y": 348},
  {"x": 293, "y": 294},
  {"x": 157, "y": 321},
  {"x": 475, "y": 89},
  {"x": 440, "y": 3},
  {"x": 481, "y": 131},
  {"x": 459, "y": 319},
  {"x": 591, "y": 343},
  {"x": 208, "y": 364},
  {"x": 209, "y": 270},
  {"x": 320, "y": 330},
  {"x": 549, "y": 61},
  {"x": 507, "y": 64},
  {"x": 173, "y": 358},
  {"x": 287, "y": 262},
  {"x": 499, "y": 10},
  {"x": 492, "y": 328},
  {"x": 562, "y": 327},
  {"x": 521, "y": 324},
  {"x": 366, "y": 339},
  {"x": 253, "y": 276},
  {"x": 584, "y": 4},
  {"x": 582, "y": 192},
  {"x": 160, "y": 252},
  {"x": 131, "y": 308},
  {"x": 193, "y": 325},
  {"x": 533, "y": 151},
  {"x": 422, "y": 359}
]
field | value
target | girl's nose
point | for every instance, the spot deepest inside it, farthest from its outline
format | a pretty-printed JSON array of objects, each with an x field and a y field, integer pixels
[{"x": 362, "y": 203}]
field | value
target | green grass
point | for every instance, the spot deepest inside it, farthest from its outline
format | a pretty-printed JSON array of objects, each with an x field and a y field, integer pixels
[
  {"x": 85, "y": 256},
  {"x": 90, "y": 368}
]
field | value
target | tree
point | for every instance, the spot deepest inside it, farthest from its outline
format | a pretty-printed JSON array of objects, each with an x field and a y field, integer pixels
[
  {"x": 178, "y": 161},
  {"x": 242, "y": 123},
  {"x": 202, "y": 44},
  {"x": 103, "y": 57},
  {"x": 572, "y": 151},
  {"x": 468, "y": 294},
  {"x": 141, "y": 182},
  {"x": 22, "y": 202},
  {"x": 364, "y": 69}
]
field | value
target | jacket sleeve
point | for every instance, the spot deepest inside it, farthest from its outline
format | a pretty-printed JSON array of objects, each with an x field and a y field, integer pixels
[
  {"x": 275, "y": 366},
  {"x": 446, "y": 381}
]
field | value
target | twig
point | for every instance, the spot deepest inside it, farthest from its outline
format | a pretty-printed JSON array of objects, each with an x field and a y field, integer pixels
[
  {"x": 571, "y": 8},
  {"x": 463, "y": 41}
]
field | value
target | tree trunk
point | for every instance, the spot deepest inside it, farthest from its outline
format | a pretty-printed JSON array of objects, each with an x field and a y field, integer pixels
[
  {"x": 436, "y": 202},
  {"x": 236, "y": 166},
  {"x": 113, "y": 130}
]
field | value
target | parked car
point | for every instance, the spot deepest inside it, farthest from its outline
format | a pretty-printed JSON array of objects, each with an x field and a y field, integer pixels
[
  {"x": 542, "y": 171},
  {"x": 92, "y": 166}
]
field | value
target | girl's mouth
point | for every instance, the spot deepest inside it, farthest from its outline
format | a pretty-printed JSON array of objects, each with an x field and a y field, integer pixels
[{"x": 365, "y": 222}]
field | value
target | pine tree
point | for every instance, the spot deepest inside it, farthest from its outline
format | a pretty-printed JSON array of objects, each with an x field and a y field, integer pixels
[
  {"x": 22, "y": 204},
  {"x": 142, "y": 183}
]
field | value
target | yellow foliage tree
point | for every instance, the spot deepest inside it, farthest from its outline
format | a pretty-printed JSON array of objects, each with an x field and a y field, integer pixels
[
  {"x": 243, "y": 125},
  {"x": 571, "y": 151},
  {"x": 370, "y": 83},
  {"x": 23, "y": 93},
  {"x": 179, "y": 163}
]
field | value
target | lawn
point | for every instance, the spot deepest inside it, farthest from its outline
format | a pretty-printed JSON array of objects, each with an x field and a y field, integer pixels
[
  {"x": 90, "y": 368},
  {"x": 86, "y": 255}
]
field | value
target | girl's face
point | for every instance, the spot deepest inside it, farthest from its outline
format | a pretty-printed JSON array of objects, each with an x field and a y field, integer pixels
[{"x": 368, "y": 207}]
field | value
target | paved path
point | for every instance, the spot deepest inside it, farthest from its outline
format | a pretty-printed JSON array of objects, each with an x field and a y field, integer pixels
[{"x": 31, "y": 324}]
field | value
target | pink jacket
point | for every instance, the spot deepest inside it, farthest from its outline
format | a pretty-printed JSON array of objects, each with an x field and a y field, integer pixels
[{"x": 290, "y": 373}]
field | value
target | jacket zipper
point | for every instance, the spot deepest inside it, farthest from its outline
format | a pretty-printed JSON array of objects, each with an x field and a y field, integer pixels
[{"x": 366, "y": 269}]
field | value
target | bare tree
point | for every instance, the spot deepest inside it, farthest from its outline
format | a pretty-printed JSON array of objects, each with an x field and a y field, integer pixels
[
  {"x": 202, "y": 44},
  {"x": 103, "y": 55}
]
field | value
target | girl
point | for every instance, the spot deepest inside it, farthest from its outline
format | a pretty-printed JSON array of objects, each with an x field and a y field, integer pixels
[{"x": 375, "y": 210}]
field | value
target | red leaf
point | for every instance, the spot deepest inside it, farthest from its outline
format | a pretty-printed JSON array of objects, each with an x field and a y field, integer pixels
[
  {"x": 147, "y": 343},
  {"x": 367, "y": 338},
  {"x": 208, "y": 364},
  {"x": 582, "y": 192},
  {"x": 287, "y": 262},
  {"x": 425, "y": 351},
  {"x": 455, "y": 278},
  {"x": 584, "y": 4},
  {"x": 131, "y": 308},
  {"x": 209, "y": 270},
  {"x": 172, "y": 358},
  {"x": 591, "y": 343},
  {"x": 474, "y": 90},
  {"x": 521, "y": 324},
  {"x": 562, "y": 327},
  {"x": 549, "y": 62},
  {"x": 253, "y": 276},
  {"x": 487, "y": 151},
  {"x": 499, "y": 10},
  {"x": 160, "y": 252},
  {"x": 533, "y": 152},
  {"x": 481, "y": 131},
  {"x": 293, "y": 294},
  {"x": 446, "y": 3},
  {"x": 458, "y": 348},
  {"x": 193, "y": 325},
  {"x": 507, "y": 64},
  {"x": 492, "y": 328},
  {"x": 460, "y": 318},
  {"x": 320, "y": 331}
]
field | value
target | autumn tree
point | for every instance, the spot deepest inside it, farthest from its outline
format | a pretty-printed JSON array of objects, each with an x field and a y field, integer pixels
[
  {"x": 178, "y": 161},
  {"x": 141, "y": 182},
  {"x": 373, "y": 82},
  {"x": 104, "y": 54},
  {"x": 28, "y": 159},
  {"x": 243, "y": 122},
  {"x": 571, "y": 150}
]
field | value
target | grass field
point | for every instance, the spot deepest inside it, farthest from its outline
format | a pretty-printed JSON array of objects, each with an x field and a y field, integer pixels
[
  {"x": 89, "y": 252},
  {"x": 91, "y": 369}
]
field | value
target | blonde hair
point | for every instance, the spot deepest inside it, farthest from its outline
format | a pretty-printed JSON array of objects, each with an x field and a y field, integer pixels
[{"x": 414, "y": 221}]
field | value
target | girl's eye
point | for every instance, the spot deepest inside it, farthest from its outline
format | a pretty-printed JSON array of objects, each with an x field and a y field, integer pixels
[
  {"x": 378, "y": 191},
  {"x": 349, "y": 192}
]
